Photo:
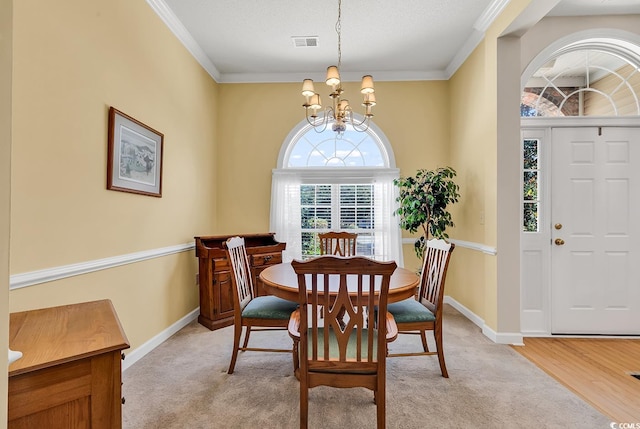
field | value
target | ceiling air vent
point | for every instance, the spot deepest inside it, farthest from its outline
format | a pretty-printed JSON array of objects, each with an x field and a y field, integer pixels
[{"x": 305, "y": 41}]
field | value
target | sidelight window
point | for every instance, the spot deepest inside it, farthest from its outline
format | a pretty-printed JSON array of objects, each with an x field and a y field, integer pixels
[{"x": 530, "y": 185}]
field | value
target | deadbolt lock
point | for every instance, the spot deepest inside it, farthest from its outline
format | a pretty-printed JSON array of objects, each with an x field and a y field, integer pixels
[
  {"x": 558, "y": 226},
  {"x": 559, "y": 241}
]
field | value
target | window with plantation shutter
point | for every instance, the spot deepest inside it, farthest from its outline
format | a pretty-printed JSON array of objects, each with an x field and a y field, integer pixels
[{"x": 348, "y": 206}]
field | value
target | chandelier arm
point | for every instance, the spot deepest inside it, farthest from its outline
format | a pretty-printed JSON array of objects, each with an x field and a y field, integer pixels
[
  {"x": 356, "y": 123},
  {"x": 358, "y": 126},
  {"x": 320, "y": 125}
]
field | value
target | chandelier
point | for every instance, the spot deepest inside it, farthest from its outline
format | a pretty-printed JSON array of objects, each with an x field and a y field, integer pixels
[{"x": 340, "y": 112}]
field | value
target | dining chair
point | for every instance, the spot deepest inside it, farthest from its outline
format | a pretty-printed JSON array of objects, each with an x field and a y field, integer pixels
[
  {"x": 338, "y": 243},
  {"x": 424, "y": 313},
  {"x": 267, "y": 313},
  {"x": 333, "y": 355}
]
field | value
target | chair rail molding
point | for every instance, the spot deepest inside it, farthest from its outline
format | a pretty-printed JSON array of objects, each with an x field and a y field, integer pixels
[
  {"x": 489, "y": 250},
  {"x": 31, "y": 278}
]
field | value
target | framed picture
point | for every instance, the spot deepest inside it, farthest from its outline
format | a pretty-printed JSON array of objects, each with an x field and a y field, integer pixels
[{"x": 135, "y": 156}]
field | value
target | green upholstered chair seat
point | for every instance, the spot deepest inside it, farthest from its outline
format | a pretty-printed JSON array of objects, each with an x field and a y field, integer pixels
[
  {"x": 269, "y": 307},
  {"x": 352, "y": 346},
  {"x": 410, "y": 311}
]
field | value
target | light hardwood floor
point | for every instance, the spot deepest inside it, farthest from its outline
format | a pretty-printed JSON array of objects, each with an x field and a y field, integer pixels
[{"x": 598, "y": 370}]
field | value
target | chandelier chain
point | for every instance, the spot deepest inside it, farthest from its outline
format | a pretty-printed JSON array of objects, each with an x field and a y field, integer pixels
[{"x": 339, "y": 31}]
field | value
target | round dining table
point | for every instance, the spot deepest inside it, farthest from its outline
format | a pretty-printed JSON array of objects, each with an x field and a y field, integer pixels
[{"x": 280, "y": 280}]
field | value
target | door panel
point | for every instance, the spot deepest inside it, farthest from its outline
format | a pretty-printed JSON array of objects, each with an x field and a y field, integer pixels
[{"x": 595, "y": 285}]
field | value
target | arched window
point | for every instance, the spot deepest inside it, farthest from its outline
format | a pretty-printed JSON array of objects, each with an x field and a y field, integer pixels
[
  {"x": 584, "y": 80},
  {"x": 326, "y": 182}
]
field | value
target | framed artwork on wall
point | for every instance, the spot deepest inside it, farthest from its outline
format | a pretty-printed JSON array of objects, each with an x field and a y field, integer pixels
[{"x": 135, "y": 156}]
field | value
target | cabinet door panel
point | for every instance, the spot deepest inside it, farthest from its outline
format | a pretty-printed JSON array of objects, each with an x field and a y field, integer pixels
[{"x": 224, "y": 287}]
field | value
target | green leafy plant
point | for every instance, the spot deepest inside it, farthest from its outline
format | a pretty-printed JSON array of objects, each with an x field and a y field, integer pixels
[{"x": 423, "y": 203}]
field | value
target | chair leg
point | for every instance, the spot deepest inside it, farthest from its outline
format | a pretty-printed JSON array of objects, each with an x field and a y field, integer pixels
[
  {"x": 237, "y": 332},
  {"x": 296, "y": 359},
  {"x": 438, "y": 336},
  {"x": 380, "y": 406},
  {"x": 246, "y": 337},
  {"x": 304, "y": 404},
  {"x": 425, "y": 346}
]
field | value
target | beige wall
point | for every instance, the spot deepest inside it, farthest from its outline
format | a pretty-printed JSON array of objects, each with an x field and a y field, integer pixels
[
  {"x": 5, "y": 191},
  {"x": 473, "y": 151},
  {"x": 72, "y": 60},
  {"x": 473, "y": 280},
  {"x": 418, "y": 133}
]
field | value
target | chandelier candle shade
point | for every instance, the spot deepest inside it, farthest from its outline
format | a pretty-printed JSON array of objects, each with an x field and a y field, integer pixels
[{"x": 340, "y": 112}]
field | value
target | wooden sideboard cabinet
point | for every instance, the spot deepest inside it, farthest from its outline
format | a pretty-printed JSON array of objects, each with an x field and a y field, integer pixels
[
  {"x": 70, "y": 373},
  {"x": 216, "y": 289}
]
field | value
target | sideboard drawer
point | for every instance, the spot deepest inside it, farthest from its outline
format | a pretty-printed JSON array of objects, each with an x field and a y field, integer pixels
[{"x": 266, "y": 259}]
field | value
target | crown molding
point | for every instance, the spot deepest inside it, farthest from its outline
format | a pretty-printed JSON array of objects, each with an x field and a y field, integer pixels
[
  {"x": 179, "y": 30},
  {"x": 490, "y": 14},
  {"x": 479, "y": 28},
  {"x": 461, "y": 56}
]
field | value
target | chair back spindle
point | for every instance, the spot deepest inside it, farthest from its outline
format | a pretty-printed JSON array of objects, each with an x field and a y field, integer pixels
[{"x": 240, "y": 270}]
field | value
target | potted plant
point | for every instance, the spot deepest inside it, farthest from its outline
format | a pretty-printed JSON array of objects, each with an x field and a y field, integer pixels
[{"x": 423, "y": 203}]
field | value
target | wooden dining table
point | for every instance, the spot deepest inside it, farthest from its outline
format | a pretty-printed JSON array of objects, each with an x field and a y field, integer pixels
[{"x": 280, "y": 280}]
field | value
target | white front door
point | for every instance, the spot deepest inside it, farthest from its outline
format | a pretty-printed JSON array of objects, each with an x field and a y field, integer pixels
[{"x": 595, "y": 238}]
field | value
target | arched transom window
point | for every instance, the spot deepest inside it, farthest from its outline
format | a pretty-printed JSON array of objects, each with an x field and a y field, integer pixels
[
  {"x": 584, "y": 82},
  {"x": 330, "y": 182},
  {"x": 325, "y": 149}
]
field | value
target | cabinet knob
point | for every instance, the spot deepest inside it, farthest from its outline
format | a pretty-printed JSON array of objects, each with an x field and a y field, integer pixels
[
  {"x": 123, "y": 400},
  {"x": 122, "y": 356},
  {"x": 267, "y": 258}
]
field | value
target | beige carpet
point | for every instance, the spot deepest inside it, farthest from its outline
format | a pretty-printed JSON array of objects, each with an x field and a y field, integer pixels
[{"x": 183, "y": 384}]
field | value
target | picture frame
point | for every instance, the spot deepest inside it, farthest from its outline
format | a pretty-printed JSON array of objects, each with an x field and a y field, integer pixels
[{"x": 135, "y": 151}]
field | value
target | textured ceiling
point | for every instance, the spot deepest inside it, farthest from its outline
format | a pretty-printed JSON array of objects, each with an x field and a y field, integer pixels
[{"x": 251, "y": 40}]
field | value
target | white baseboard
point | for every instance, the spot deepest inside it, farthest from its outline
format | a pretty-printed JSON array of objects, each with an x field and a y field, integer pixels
[
  {"x": 514, "y": 338},
  {"x": 139, "y": 352}
]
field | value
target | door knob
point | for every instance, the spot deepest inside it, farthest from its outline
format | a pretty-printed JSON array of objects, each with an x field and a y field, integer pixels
[{"x": 559, "y": 241}]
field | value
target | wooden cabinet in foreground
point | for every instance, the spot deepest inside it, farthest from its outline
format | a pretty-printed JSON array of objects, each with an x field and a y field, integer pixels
[
  {"x": 216, "y": 289},
  {"x": 70, "y": 373}
]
